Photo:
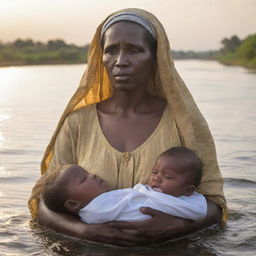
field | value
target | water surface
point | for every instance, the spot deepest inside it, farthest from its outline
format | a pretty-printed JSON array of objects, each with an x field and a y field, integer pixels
[{"x": 31, "y": 101}]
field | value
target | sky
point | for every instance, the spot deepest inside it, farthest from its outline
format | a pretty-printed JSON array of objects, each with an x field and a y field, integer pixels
[{"x": 190, "y": 24}]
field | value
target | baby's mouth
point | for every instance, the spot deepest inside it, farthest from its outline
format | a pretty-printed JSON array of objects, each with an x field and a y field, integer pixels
[{"x": 157, "y": 189}]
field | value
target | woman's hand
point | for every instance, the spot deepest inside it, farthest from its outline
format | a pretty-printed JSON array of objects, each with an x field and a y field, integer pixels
[
  {"x": 163, "y": 226},
  {"x": 160, "y": 227},
  {"x": 106, "y": 234},
  {"x": 71, "y": 225}
]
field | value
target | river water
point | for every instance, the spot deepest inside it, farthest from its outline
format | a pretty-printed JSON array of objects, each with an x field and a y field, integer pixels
[{"x": 31, "y": 101}]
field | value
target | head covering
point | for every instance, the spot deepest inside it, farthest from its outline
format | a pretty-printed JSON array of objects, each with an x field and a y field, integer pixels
[
  {"x": 191, "y": 125},
  {"x": 129, "y": 16}
]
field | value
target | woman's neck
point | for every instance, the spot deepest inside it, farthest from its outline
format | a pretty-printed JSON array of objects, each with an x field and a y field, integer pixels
[
  {"x": 128, "y": 103},
  {"x": 124, "y": 101}
]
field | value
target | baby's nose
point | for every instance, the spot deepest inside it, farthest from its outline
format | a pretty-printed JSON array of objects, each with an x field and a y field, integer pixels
[{"x": 157, "y": 178}]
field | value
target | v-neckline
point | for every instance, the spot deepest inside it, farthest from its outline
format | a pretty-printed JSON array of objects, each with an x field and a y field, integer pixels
[{"x": 141, "y": 146}]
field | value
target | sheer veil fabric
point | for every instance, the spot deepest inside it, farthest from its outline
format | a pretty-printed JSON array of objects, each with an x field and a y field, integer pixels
[{"x": 192, "y": 127}]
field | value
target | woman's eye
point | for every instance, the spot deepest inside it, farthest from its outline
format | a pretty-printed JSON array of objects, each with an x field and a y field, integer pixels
[
  {"x": 135, "y": 50},
  {"x": 110, "y": 51}
]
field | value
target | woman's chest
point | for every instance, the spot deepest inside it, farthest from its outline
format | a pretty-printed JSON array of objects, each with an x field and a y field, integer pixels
[
  {"x": 127, "y": 133},
  {"x": 123, "y": 169}
]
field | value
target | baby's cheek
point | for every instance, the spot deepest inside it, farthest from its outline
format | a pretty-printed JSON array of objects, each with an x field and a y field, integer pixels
[{"x": 150, "y": 180}]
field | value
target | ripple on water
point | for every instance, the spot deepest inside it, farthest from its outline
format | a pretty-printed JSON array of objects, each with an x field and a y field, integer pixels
[
  {"x": 25, "y": 132},
  {"x": 241, "y": 183},
  {"x": 4, "y": 116},
  {"x": 19, "y": 236}
]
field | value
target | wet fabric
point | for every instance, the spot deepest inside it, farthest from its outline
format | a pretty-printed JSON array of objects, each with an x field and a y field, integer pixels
[{"x": 191, "y": 127}]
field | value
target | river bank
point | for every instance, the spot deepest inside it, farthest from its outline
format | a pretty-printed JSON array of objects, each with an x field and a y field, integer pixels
[
  {"x": 27, "y": 52},
  {"x": 235, "y": 52},
  {"x": 232, "y": 61}
]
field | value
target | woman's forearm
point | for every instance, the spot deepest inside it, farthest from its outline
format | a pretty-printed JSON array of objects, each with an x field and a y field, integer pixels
[
  {"x": 162, "y": 227},
  {"x": 166, "y": 225},
  {"x": 70, "y": 225},
  {"x": 213, "y": 216},
  {"x": 64, "y": 223}
]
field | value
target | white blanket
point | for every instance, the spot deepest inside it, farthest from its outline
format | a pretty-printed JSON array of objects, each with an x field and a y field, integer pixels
[{"x": 124, "y": 205}]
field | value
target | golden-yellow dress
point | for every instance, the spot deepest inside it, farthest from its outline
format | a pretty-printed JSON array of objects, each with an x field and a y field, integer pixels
[{"x": 79, "y": 139}]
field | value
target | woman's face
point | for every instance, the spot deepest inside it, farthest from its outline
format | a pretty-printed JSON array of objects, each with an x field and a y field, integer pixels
[{"x": 127, "y": 56}]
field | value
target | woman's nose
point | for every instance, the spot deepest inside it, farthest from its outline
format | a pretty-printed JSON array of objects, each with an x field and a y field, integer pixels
[{"x": 121, "y": 59}]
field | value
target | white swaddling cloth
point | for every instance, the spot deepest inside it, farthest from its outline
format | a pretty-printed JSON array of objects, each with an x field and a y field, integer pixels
[{"x": 125, "y": 204}]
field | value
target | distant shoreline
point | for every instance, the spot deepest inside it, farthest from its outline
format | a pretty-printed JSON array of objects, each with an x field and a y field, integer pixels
[
  {"x": 18, "y": 64},
  {"x": 235, "y": 52}
]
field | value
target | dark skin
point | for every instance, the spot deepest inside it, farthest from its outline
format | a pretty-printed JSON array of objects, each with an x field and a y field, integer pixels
[
  {"x": 130, "y": 116},
  {"x": 127, "y": 119}
]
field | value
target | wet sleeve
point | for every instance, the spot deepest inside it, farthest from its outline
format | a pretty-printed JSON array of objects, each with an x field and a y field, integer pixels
[{"x": 64, "y": 152}]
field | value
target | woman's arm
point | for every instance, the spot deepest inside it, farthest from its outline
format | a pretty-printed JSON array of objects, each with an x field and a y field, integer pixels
[
  {"x": 163, "y": 226},
  {"x": 71, "y": 225}
]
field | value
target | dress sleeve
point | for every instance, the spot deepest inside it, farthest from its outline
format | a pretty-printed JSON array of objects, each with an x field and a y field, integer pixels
[
  {"x": 63, "y": 154},
  {"x": 64, "y": 150}
]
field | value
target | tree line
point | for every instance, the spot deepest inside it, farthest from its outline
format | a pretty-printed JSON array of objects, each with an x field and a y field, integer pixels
[
  {"x": 234, "y": 51},
  {"x": 28, "y": 52}
]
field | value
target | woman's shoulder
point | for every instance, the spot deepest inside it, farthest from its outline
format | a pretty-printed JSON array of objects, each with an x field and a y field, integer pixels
[{"x": 83, "y": 112}]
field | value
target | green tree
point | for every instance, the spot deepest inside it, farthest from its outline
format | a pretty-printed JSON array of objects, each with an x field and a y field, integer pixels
[
  {"x": 56, "y": 44},
  {"x": 248, "y": 48},
  {"x": 23, "y": 43},
  {"x": 230, "y": 45}
]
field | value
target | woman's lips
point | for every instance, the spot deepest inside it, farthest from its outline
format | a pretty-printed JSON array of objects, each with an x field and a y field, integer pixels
[{"x": 122, "y": 77}]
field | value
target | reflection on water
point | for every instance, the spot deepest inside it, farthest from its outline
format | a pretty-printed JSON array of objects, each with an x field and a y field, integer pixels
[{"x": 31, "y": 101}]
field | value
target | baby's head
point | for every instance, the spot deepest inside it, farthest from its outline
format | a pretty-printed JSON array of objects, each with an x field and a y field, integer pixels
[
  {"x": 177, "y": 172},
  {"x": 71, "y": 188}
]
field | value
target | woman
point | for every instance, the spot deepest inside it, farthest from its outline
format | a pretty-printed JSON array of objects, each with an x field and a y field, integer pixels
[{"x": 131, "y": 106}]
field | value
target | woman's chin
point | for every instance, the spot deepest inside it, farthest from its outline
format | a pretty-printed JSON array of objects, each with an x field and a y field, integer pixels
[{"x": 123, "y": 86}]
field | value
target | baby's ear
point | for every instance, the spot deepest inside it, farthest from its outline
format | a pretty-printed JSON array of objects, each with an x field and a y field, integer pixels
[
  {"x": 190, "y": 190},
  {"x": 72, "y": 206}
]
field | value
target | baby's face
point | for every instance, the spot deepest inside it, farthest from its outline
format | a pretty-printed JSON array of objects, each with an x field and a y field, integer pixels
[
  {"x": 168, "y": 177},
  {"x": 84, "y": 187}
]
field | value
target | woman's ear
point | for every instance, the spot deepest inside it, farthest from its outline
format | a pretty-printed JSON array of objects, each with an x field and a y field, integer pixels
[
  {"x": 72, "y": 206},
  {"x": 190, "y": 190}
]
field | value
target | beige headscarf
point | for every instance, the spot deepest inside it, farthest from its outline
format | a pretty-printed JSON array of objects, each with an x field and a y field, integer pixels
[{"x": 193, "y": 129}]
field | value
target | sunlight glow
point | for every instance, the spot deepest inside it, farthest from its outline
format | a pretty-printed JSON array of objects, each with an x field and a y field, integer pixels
[{"x": 196, "y": 25}]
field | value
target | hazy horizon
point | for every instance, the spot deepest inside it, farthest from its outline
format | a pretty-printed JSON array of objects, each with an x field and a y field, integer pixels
[{"x": 190, "y": 25}]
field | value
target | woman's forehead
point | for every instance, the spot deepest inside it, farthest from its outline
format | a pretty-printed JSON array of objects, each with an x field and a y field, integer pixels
[{"x": 124, "y": 30}]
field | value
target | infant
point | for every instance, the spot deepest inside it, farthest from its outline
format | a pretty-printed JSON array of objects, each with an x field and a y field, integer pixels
[{"x": 170, "y": 189}]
